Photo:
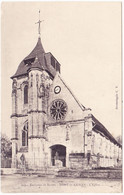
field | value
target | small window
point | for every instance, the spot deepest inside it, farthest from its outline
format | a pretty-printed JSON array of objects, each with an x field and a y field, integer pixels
[
  {"x": 25, "y": 135},
  {"x": 52, "y": 61},
  {"x": 26, "y": 94},
  {"x": 57, "y": 67},
  {"x": 29, "y": 61},
  {"x": 23, "y": 138}
]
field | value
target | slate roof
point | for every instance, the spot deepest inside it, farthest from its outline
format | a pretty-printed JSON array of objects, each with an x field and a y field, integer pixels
[
  {"x": 104, "y": 131},
  {"x": 30, "y": 61}
]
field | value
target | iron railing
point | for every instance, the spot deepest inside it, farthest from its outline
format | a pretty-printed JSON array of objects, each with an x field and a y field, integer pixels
[{"x": 6, "y": 163}]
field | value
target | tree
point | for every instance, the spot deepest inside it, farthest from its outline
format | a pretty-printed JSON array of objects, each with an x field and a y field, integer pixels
[{"x": 6, "y": 147}]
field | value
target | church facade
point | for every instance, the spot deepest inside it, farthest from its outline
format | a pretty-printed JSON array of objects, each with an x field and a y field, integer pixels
[{"x": 50, "y": 127}]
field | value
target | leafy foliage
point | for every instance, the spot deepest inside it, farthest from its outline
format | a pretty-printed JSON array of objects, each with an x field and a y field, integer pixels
[{"x": 6, "y": 147}]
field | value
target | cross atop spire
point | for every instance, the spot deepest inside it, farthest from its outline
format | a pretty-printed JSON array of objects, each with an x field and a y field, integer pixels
[{"x": 39, "y": 21}]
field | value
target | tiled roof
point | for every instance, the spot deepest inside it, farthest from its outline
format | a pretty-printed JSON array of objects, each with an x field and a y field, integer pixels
[{"x": 30, "y": 62}]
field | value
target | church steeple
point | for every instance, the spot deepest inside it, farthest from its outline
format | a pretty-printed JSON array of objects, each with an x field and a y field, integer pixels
[{"x": 45, "y": 61}]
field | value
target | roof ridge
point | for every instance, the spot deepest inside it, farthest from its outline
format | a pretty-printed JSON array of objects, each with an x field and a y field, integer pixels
[
  {"x": 83, "y": 109},
  {"x": 107, "y": 131}
]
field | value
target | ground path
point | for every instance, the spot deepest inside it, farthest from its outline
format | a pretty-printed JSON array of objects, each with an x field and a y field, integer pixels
[{"x": 18, "y": 183}]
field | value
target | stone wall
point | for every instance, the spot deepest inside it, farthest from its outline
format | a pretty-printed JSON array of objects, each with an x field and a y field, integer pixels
[
  {"x": 77, "y": 161},
  {"x": 104, "y": 151},
  {"x": 101, "y": 174}
]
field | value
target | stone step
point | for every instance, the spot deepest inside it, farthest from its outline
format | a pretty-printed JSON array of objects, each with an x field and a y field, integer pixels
[{"x": 47, "y": 171}]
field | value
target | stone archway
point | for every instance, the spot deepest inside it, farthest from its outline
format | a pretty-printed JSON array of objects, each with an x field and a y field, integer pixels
[{"x": 58, "y": 155}]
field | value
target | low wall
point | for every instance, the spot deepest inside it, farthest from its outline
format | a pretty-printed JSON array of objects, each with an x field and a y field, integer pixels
[
  {"x": 7, "y": 171},
  {"x": 112, "y": 174}
]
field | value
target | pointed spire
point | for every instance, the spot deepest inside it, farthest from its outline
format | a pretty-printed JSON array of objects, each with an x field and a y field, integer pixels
[{"x": 36, "y": 59}]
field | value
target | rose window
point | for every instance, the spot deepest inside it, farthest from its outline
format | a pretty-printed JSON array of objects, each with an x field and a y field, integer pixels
[{"x": 58, "y": 109}]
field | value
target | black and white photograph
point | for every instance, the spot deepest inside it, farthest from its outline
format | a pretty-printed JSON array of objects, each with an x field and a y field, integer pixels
[{"x": 61, "y": 97}]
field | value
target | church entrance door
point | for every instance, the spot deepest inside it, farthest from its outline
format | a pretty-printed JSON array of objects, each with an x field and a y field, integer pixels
[{"x": 58, "y": 155}]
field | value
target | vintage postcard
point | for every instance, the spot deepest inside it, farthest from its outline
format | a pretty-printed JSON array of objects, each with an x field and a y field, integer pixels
[{"x": 61, "y": 86}]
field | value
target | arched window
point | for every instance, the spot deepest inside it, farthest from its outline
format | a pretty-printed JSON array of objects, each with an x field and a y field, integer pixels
[
  {"x": 25, "y": 135},
  {"x": 26, "y": 94}
]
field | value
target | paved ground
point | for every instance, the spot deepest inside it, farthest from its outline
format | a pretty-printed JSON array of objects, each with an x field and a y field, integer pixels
[{"x": 31, "y": 184}]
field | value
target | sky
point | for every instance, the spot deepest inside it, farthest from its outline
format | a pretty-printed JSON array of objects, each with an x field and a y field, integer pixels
[{"x": 85, "y": 37}]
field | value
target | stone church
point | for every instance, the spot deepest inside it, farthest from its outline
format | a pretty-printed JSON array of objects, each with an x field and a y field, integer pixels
[{"x": 50, "y": 127}]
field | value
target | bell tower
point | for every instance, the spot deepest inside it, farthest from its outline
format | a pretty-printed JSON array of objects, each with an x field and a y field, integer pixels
[{"x": 30, "y": 94}]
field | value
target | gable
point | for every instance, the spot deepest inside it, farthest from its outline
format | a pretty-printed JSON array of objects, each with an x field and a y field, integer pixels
[{"x": 61, "y": 95}]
